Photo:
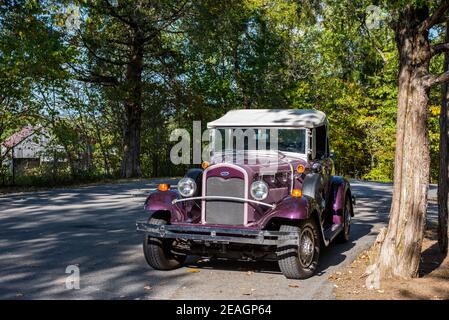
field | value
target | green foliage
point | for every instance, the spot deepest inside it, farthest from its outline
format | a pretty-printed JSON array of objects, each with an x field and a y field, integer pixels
[{"x": 215, "y": 56}]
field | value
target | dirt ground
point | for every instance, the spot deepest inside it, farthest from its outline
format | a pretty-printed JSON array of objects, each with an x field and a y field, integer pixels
[{"x": 432, "y": 283}]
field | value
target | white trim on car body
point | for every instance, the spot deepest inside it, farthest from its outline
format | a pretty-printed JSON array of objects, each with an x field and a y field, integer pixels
[{"x": 272, "y": 206}]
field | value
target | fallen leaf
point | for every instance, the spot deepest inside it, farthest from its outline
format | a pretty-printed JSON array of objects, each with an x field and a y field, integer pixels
[
  {"x": 293, "y": 286},
  {"x": 247, "y": 292},
  {"x": 380, "y": 291},
  {"x": 193, "y": 270},
  {"x": 147, "y": 287}
]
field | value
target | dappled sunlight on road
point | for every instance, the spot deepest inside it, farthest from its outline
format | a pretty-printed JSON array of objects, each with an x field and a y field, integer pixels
[{"x": 94, "y": 228}]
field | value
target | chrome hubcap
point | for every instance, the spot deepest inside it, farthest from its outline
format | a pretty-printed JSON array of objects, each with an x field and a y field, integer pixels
[{"x": 306, "y": 247}]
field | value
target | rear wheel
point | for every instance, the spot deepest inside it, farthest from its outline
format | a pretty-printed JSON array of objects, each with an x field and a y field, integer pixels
[
  {"x": 344, "y": 235},
  {"x": 300, "y": 262},
  {"x": 158, "y": 251}
]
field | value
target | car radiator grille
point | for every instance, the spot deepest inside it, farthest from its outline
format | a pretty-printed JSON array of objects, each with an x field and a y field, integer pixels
[{"x": 225, "y": 211}]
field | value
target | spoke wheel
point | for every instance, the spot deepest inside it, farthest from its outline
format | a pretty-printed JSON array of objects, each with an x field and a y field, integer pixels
[
  {"x": 306, "y": 247},
  {"x": 300, "y": 261}
]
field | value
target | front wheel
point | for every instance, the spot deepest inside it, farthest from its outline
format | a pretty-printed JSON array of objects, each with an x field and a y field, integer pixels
[
  {"x": 300, "y": 262},
  {"x": 158, "y": 251}
]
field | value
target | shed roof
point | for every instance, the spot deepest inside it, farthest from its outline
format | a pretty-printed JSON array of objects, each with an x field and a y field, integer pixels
[
  {"x": 19, "y": 137},
  {"x": 301, "y": 118}
]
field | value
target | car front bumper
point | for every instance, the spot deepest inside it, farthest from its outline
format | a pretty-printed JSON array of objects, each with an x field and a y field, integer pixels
[{"x": 218, "y": 235}]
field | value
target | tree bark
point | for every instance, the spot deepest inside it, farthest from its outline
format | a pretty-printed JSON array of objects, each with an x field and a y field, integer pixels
[
  {"x": 400, "y": 252},
  {"x": 133, "y": 114},
  {"x": 443, "y": 178}
]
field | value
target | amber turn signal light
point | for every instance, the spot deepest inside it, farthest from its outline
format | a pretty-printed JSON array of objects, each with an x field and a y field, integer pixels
[
  {"x": 204, "y": 165},
  {"x": 296, "y": 193},
  {"x": 163, "y": 187},
  {"x": 300, "y": 169}
]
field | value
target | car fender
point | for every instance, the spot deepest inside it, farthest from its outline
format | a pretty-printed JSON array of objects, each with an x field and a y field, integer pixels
[
  {"x": 312, "y": 185},
  {"x": 340, "y": 188},
  {"x": 162, "y": 201},
  {"x": 290, "y": 208}
]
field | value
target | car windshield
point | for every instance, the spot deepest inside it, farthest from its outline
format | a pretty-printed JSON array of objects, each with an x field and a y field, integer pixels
[{"x": 239, "y": 139}]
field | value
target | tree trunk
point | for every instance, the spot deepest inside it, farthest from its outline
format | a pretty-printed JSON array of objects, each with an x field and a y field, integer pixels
[
  {"x": 400, "y": 252},
  {"x": 443, "y": 178},
  {"x": 133, "y": 112}
]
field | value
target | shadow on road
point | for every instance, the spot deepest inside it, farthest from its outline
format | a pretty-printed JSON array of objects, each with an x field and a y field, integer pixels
[
  {"x": 332, "y": 255},
  {"x": 90, "y": 227},
  {"x": 94, "y": 227}
]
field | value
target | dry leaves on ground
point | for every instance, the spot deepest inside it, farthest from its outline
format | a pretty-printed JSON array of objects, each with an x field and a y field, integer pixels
[{"x": 193, "y": 270}]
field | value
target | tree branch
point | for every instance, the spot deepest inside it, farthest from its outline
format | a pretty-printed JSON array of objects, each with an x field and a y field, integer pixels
[
  {"x": 114, "y": 13},
  {"x": 435, "y": 17},
  {"x": 169, "y": 20},
  {"x": 92, "y": 77},
  {"x": 96, "y": 56},
  {"x": 433, "y": 80},
  {"x": 376, "y": 46},
  {"x": 100, "y": 79},
  {"x": 439, "y": 48}
]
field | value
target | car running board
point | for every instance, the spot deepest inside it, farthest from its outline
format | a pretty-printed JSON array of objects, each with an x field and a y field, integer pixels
[{"x": 333, "y": 231}]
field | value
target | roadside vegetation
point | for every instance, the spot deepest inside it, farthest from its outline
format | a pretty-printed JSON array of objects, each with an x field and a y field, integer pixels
[{"x": 111, "y": 80}]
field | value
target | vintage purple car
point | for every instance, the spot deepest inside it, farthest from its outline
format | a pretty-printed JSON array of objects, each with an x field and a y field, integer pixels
[{"x": 252, "y": 202}]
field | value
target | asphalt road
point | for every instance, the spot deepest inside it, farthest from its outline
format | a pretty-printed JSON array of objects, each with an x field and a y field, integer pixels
[{"x": 93, "y": 228}]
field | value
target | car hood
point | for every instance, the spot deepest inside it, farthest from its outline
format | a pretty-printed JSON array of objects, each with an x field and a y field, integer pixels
[{"x": 260, "y": 164}]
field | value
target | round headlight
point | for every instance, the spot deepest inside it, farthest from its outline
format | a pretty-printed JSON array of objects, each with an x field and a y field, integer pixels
[
  {"x": 186, "y": 187},
  {"x": 259, "y": 190}
]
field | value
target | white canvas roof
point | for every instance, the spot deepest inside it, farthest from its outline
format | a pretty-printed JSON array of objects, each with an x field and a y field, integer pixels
[{"x": 270, "y": 118}]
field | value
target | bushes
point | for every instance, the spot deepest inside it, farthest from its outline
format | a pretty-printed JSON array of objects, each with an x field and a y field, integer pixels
[{"x": 48, "y": 175}]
